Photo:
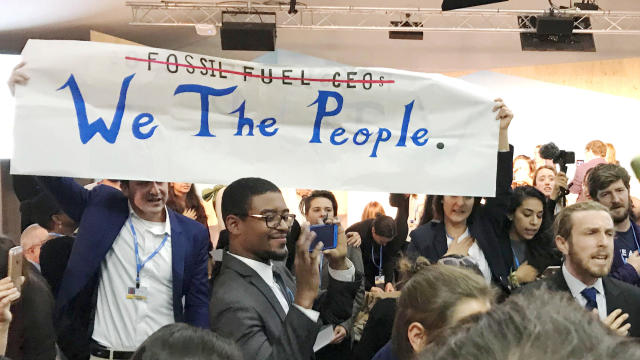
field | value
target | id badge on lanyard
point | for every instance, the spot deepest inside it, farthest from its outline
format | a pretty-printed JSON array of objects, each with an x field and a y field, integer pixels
[{"x": 139, "y": 292}]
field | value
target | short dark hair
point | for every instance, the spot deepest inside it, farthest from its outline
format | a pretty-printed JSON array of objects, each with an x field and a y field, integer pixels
[
  {"x": 604, "y": 175},
  {"x": 236, "y": 198},
  {"x": 305, "y": 203},
  {"x": 429, "y": 298},
  {"x": 533, "y": 325},
  {"x": 182, "y": 341},
  {"x": 384, "y": 226},
  {"x": 43, "y": 207}
]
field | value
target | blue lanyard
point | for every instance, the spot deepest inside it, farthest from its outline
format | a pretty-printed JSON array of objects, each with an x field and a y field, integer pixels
[
  {"x": 515, "y": 258},
  {"x": 55, "y": 234},
  {"x": 140, "y": 265},
  {"x": 633, "y": 231},
  {"x": 373, "y": 260}
]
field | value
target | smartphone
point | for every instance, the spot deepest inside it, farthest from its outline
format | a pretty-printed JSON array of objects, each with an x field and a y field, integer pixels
[
  {"x": 327, "y": 234},
  {"x": 15, "y": 265},
  {"x": 549, "y": 271}
]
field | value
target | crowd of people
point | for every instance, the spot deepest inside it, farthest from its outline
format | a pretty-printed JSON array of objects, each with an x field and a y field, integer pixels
[{"x": 127, "y": 269}]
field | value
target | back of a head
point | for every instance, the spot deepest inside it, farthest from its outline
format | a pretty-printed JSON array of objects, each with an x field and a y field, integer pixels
[
  {"x": 430, "y": 297},
  {"x": 43, "y": 207},
  {"x": 537, "y": 325},
  {"x": 597, "y": 147},
  {"x": 384, "y": 226},
  {"x": 603, "y": 175},
  {"x": 236, "y": 199},
  {"x": 185, "y": 342},
  {"x": 372, "y": 209}
]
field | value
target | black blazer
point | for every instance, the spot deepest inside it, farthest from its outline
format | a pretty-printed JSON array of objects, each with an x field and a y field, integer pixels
[
  {"x": 31, "y": 333},
  {"x": 430, "y": 240},
  {"x": 619, "y": 295},
  {"x": 244, "y": 308}
]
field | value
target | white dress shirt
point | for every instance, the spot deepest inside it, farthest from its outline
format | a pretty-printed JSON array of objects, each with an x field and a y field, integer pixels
[
  {"x": 476, "y": 254},
  {"x": 265, "y": 271},
  {"x": 123, "y": 324},
  {"x": 576, "y": 286}
]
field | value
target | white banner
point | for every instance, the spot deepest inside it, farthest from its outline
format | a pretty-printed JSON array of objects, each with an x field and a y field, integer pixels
[{"x": 98, "y": 110}]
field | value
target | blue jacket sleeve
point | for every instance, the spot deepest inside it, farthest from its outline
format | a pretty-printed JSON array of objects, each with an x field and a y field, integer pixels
[{"x": 196, "y": 307}]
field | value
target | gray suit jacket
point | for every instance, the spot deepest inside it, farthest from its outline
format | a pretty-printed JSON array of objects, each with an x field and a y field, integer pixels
[
  {"x": 244, "y": 309},
  {"x": 619, "y": 295}
]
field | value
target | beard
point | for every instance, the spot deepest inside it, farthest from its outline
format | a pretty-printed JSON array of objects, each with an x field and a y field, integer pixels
[
  {"x": 279, "y": 255},
  {"x": 584, "y": 265},
  {"x": 620, "y": 216}
]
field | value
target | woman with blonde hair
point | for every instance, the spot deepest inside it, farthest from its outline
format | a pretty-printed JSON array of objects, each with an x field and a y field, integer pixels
[{"x": 371, "y": 210}]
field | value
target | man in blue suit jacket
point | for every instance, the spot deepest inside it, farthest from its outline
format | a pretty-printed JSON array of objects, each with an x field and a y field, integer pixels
[{"x": 108, "y": 301}]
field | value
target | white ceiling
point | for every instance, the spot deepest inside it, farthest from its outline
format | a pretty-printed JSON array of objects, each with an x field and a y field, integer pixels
[{"x": 72, "y": 19}]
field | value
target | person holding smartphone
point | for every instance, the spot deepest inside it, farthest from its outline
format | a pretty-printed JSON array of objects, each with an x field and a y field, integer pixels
[{"x": 321, "y": 207}]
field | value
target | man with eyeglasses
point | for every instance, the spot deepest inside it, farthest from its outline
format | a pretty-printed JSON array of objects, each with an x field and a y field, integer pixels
[{"x": 256, "y": 301}]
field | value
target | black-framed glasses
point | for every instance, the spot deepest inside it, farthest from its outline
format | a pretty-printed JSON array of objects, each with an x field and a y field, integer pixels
[{"x": 273, "y": 220}]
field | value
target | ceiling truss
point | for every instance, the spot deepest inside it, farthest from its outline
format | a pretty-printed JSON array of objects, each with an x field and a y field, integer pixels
[{"x": 180, "y": 13}]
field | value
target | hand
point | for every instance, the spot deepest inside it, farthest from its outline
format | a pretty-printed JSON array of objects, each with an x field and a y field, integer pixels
[
  {"x": 337, "y": 257},
  {"x": 339, "y": 333},
  {"x": 389, "y": 287},
  {"x": 353, "y": 239},
  {"x": 615, "y": 320},
  {"x": 460, "y": 247},
  {"x": 190, "y": 213},
  {"x": 560, "y": 183},
  {"x": 504, "y": 114},
  {"x": 8, "y": 294},
  {"x": 526, "y": 273},
  {"x": 307, "y": 265},
  {"x": 634, "y": 260},
  {"x": 18, "y": 77},
  {"x": 375, "y": 289}
]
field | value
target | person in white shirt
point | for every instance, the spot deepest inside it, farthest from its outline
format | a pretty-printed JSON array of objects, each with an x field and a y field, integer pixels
[{"x": 255, "y": 300}]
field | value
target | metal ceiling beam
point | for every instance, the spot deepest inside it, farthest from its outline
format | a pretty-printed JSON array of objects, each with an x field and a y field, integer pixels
[{"x": 183, "y": 13}]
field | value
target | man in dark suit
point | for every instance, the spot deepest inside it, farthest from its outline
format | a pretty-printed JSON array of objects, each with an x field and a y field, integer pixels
[
  {"x": 255, "y": 300},
  {"x": 584, "y": 234},
  {"x": 134, "y": 267}
]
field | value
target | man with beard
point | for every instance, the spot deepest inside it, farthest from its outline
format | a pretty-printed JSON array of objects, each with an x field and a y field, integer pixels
[
  {"x": 609, "y": 185},
  {"x": 256, "y": 301},
  {"x": 584, "y": 234}
]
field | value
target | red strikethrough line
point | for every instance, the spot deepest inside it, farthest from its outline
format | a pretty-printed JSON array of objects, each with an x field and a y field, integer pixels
[{"x": 261, "y": 76}]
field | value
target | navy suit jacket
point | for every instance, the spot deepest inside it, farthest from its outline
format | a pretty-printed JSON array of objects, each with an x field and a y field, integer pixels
[{"x": 101, "y": 214}]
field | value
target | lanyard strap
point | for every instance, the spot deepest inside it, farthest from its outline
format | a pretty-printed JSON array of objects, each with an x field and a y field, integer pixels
[
  {"x": 633, "y": 231},
  {"x": 140, "y": 264},
  {"x": 373, "y": 260},
  {"x": 515, "y": 258}
]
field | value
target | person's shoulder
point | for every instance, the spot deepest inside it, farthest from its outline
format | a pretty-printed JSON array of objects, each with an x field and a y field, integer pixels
[
  {"x": 430, "y": 228},
  {"x": 627, "y": 289}
]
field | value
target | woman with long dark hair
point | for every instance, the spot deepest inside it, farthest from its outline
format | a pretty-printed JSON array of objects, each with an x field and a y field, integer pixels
[
  {"x": 526, "y": 237},
  {"x": 464, "y": 227},
  {"x": 184, "y": 200}
]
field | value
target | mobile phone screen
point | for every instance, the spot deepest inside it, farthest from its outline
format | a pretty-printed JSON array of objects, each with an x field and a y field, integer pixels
[{"x": 327, "y": 234}]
